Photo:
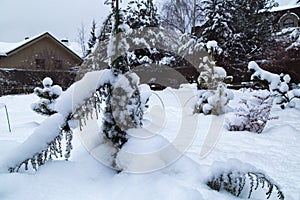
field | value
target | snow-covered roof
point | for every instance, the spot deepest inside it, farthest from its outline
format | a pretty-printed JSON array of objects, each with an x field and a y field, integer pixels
[
  {"x": 284, "y": 7},
  {"x": 8, "y": 47}
]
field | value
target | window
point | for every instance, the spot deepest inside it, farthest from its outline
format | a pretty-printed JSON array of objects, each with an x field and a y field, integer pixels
[
  {"x": 57, "y": 64},
  {"x": 289, "y": 22},
  {"x": 40, "y": 63}
]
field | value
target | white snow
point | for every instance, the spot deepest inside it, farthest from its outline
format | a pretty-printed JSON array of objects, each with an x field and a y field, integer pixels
[
  {"x": 212, "y": 44},
  {"x": 47, "y": 82},
  {"x": 81, "y": 90},
  {"x": 273, "y": 79},
  {"x": 274, "y": 152}
]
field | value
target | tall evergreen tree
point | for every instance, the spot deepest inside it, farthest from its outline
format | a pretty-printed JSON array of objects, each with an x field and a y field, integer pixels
[
  {"x": 218, "y": 25},
  {"x": 252, "y": 24},
  {"x": 141, "y": 13},
  {"x": 116, "y": 97},
  {"x": 93, "y": 37},
  {"x": 242, "y": 28}
]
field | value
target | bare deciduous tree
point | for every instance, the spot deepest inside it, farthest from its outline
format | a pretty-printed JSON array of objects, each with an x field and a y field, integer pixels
[
  {"x": 82, "y": 39},
  {"x": 179, "y": 15}
]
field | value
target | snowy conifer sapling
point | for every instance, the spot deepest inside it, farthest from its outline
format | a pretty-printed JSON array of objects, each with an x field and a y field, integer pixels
[
  {"x": 213, "y": 96},
  {"x": 47, "y": 95}
]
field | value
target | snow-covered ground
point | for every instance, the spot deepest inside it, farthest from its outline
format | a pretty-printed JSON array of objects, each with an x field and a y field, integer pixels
[{"x": 275, "y": 152}]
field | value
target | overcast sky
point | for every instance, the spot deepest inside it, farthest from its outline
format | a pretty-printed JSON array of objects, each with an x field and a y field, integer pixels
[{"x": 62, "y": 18}]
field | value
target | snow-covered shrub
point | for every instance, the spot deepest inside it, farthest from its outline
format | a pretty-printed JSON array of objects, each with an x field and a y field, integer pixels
[
  {"x": 246, "y": 185},
  {"x": 253, "y": 113},
  {"x": 213, "y": 101},
  {"x": 48, "y": 96},
  {"x": 213, "y": 96},
  {"x": 278, "y": 85}
]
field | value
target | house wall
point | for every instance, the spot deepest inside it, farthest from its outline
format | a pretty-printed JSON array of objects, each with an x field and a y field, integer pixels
[
  {"x": 281, "y": 16},
  {"x": 43, "y": 54}
]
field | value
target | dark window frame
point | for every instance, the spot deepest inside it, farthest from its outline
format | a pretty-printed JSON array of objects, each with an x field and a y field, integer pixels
[
  {"x": 57, "y": 64},
  {"x": 40, "y": 63}
]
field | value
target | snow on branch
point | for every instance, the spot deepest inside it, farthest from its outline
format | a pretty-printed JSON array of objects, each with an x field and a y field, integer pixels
[
  {"x": 243, "y": 180},
  {"x": 45, "y": 142},
  {"x": 39, "y": 147},
  {"x": 77, "y": 103},
  {"x": 279, "y": 85}
]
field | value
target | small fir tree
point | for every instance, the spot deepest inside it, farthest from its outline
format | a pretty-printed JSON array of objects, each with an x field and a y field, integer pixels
[
  {"x": 212, "y": 97},
  {"x": 47, "y": 95}
]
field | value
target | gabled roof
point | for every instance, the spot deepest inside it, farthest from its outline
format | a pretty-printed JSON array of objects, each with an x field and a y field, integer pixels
[{"x": 9, "y": 48}]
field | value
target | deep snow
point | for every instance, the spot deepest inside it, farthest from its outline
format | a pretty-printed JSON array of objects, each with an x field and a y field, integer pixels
[{"x": 275, "y": 152}]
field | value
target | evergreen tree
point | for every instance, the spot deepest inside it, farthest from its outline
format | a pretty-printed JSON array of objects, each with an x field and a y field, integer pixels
[
  {"x": 141, "y": 13},
  {"x": 212, "y": 96},
  {"x": 93, "y": 38},
  {"x": 118, "y": 117},
  {"x": 47, "y": 95},
  {"x": 252, "y": 24},
  {"x": 242, "y": 28},
  {"x": 218, "y": 25}
]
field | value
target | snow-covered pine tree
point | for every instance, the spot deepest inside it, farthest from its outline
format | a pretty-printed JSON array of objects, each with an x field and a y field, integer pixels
[
  {"x": 212, "y": 96},
  {"x": 252, "y": 24},
  {"x": 242, "y": 28},
  {"x": 47, "y": 95},
  {"x": 218, "y": 25},
  {"x": 141, "y": 13},
  {"x": 123, "y": 105}
]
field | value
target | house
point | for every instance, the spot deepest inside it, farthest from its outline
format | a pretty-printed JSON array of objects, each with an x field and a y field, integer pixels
[
  {"x": 286, "y": 16},
  {"x": 41, "y": 52},
  {"x": 23, "y": 65}
]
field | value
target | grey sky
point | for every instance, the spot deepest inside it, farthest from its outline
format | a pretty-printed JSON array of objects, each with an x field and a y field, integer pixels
[{"x": 62, "y": 18}]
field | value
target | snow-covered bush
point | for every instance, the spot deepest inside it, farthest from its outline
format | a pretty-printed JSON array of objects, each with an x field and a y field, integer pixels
[
  {"x": 253, "y": 113},
  {"x": 278, "y": 85},
  {"x": 246, "y": 185},
  {"x": 213, "y": 101},
  {"x": 48, "y": 96},
  {"x": 213, "y": 95}
]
